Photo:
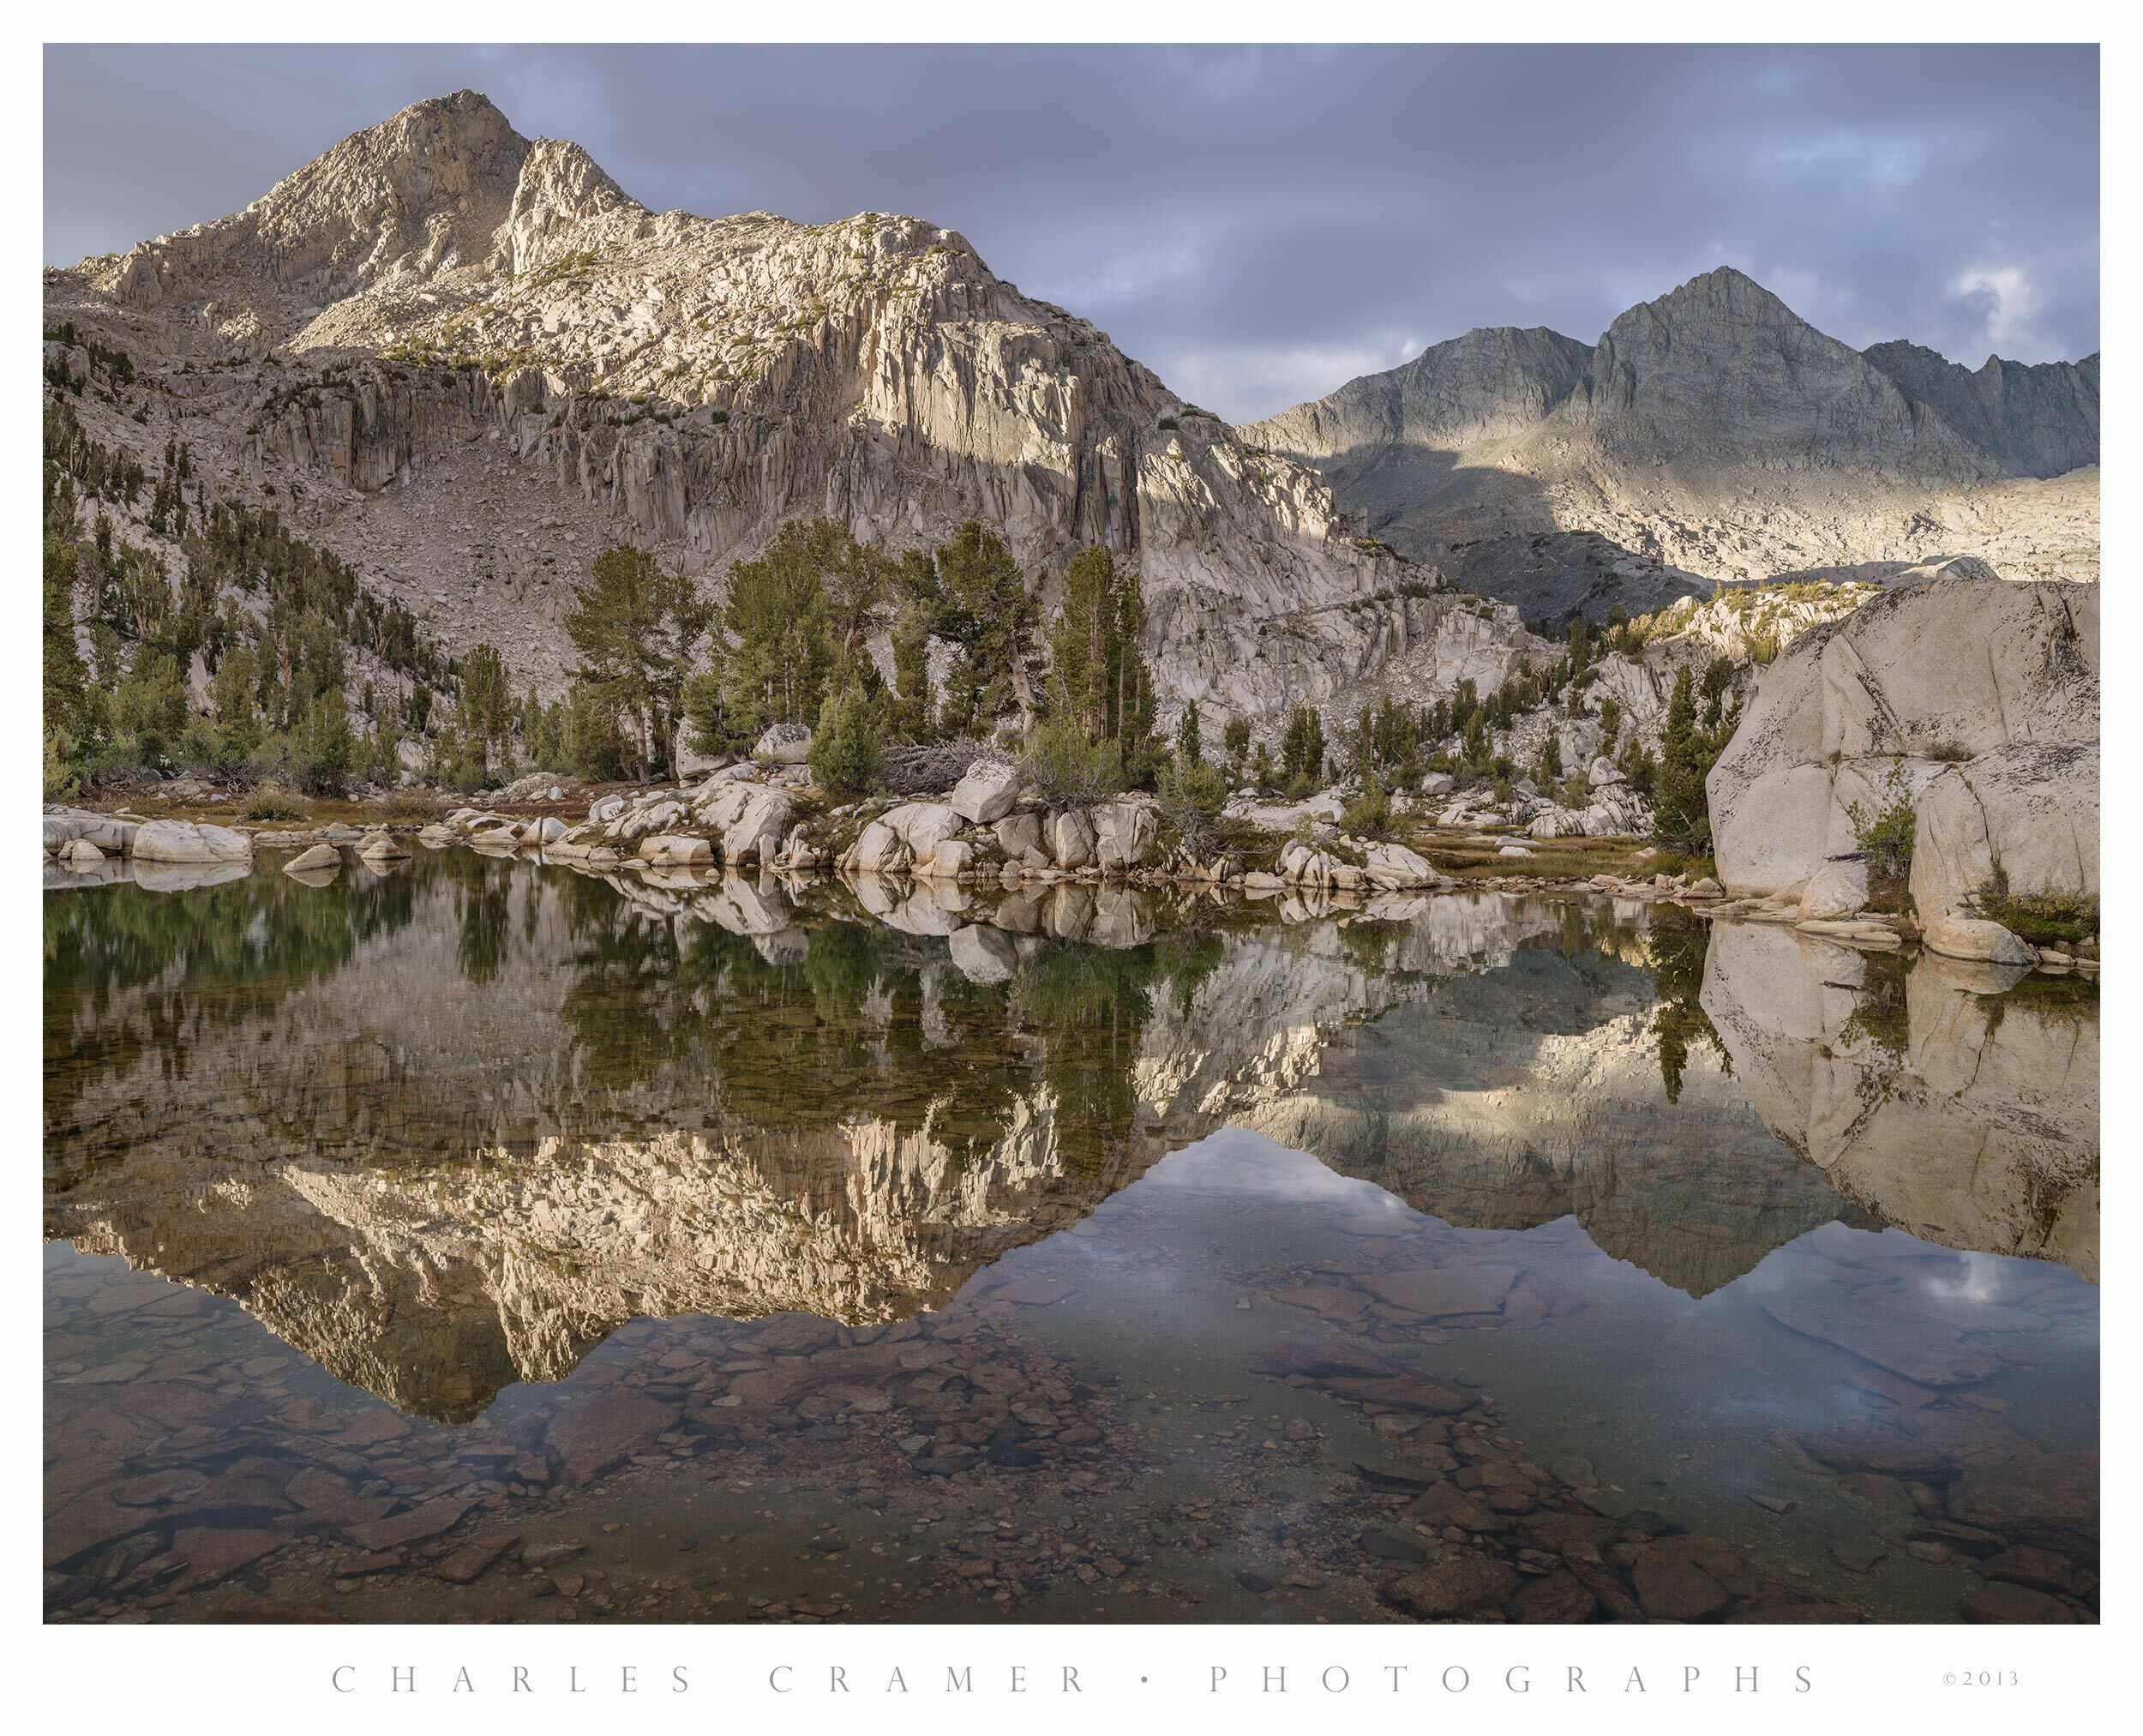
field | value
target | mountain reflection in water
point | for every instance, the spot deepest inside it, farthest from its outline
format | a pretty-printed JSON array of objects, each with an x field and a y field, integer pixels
[{"x": 451, "y": 1129}]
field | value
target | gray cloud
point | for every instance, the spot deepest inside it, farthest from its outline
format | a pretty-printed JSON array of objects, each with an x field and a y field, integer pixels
[{"x": 1256, "y": 224}]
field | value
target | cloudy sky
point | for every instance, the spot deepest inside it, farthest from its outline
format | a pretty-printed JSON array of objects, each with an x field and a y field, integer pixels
[{"x": 1258, "y": 224}]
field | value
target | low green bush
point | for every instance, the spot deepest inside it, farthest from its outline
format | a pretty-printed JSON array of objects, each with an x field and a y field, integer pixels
[
  {"x": 273, "y": 802},
  {"x": 1064, "y": 765}
]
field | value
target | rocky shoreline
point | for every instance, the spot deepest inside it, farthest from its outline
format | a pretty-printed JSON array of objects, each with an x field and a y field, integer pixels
[{"x": 747, "y": 820}]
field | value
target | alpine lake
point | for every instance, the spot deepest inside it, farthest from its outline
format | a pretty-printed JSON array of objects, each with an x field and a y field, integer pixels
[{"x": 491, "y": 1239}]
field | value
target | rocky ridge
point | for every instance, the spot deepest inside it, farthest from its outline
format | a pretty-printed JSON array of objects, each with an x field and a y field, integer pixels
[
  {"x": 1708, "y": 435},
  {"x": 465, "y": 360}
]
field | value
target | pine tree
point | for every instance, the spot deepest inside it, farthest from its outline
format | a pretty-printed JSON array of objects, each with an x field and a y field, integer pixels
[
  {"x": 913, "y": 712},
  {"x": 636, "y": 627},
  {"x": 66, "y": 679},
  {"x": 1188, "y": 743},
  {"x": 844, "y": 746},
  {"x": 972, "y": 595},
  {"x": 484, "y": 706},
  {"x": 1681, "y": 815},
  {"x": 1302, "y": 749}
]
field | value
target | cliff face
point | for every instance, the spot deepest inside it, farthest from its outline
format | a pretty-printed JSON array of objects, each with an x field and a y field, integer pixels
[
  {"x": 1971, "y": 700},
  {"x": 1711, "y": 434},
  {"x": 2036, "y": 421},
  {"x": 467, "y": 360}
]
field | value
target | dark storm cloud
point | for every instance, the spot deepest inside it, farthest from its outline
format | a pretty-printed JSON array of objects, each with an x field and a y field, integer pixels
[{"x": 1256, "y": 224}]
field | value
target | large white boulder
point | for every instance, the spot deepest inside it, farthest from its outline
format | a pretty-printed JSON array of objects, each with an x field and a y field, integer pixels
[
  {"x": 1393, "y": 865},
  {"x": 753, "y": 819},
  {"x": 675, "y": 849},
  {"x": 948, "y": 862},
  {"x": 1124, "y": 832},
  {"x": 112, "y": 836},
  {"x": 321, "y": 859},
  {"x": 1558, "y": 822},
  {"x": 1970, "y": 937},
  {"x": 921, "y": 826},
  {"x": 1017, "y": 834},
  {"x": 1835, "y": 890},
  {"x": 1973, "y": 700},
  {"x": 2024, "y": 816},
  {"x": 784, "y": 744},
  {"x": 986, "y": 793},
  {"x": 183, "y": 841},
  {"x": 1071, "y": 836},
  {"x": 880, "y": 850}
]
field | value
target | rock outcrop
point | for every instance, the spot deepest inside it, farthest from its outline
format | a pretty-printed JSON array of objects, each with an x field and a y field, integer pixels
[
  {"x": 1711, "y": 434},
  {"x": 1973, "y": 701},
  {"x": 182, "y": 841}
]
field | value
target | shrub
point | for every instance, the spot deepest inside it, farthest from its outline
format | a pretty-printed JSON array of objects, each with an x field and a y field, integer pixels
[
  {"x": 1885, "y": 830},
  {"x": 845, "y": 759},
  {"x": 1065, "y": 765},
  {"x": 322, "y": 750},
  {"x": 1370, "y": 814},
  {"x": 1192, "y": 795},
  {"x": 273, "y": 802}
]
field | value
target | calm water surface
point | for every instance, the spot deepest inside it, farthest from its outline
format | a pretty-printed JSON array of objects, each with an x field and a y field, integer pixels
[{"x": 487, "y": 1240}]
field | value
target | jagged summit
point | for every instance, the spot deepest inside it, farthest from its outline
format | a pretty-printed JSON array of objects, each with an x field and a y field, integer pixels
[
  {"x": 476, "y": 361},
  {"x": 2037, "y": 420},
  {"x": 1711, "y": 433},
  {"x": 1493, "y": 382},
  {"x": 445, "y": 185}
]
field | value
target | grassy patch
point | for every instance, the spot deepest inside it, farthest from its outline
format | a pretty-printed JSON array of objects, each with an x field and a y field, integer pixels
[
  {"x": 1553, "y": 858},
  {"x": 273, "y": 802},
  {"x": 2042, "y": 918}
]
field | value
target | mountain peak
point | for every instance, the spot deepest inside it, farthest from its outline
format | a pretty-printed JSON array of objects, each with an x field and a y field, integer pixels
[{"x": 1722, "y": 293}]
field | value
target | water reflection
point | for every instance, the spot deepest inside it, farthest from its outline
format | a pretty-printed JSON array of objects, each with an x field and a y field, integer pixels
[{"x": 456, "y": 1128}]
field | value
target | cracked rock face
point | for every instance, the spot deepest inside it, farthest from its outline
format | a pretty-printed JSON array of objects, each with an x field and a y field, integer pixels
[
  {"x": 1710, "y": 434},
  {"x": 1972, "y": 699},
  {"x": 467, "y": 361}
]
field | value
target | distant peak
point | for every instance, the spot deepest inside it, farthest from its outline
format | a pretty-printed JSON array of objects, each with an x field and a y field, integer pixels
[{"x": 1723, "y": 286}]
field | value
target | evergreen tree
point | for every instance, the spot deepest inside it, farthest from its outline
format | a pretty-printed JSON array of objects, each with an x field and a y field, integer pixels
[
  {"x": 1302, "y": 749},
  {"x": 484, "y": 707},
  {"x": 66, "y": 679},
  {"x": 1681, "y": 813},
  {"x": 323, "y": 750},
  {"x": 636, "y": 627},
  {"x": 914, "y": 714},
  {"x": 1235, "y": 738},
  {"x": 844, "y": 746},
  {"x": 1188, "y": 744},
  {"x": 972, "y": 595}
]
